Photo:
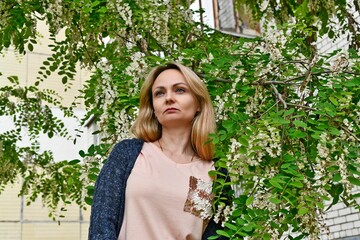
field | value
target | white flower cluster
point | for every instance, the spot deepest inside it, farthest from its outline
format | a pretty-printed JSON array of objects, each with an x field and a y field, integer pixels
[
  {"x": 223, "y": 213},
  {"x": 340, "y": 160},
  {"x": 313, "y": 221},
  {"x": 55, "y": 7},
  {"x": 106, "y": 91},
  {"x": 123, "y": 9},
  {"x": 219, "y": 105},
  {"x": 254, "y": 102},
  {"x": 221, "y": 108},
  {"x": 209, "y": 59},
  {"x": 339, "y": 62},
  {"x": 349, "y": 125},
  {"x": 274, "y": 41},
  {"x": 122, "y": 124},
  {"x": 261, "y": 200},
  {"x": 260, "y": 144},
  {"x": 136, "y": 70},
  {"x": 345, "y": 102},
  {"x": 268, "y": 141},
  {"x": 324, "y": 158},
  {"x": 264, "y": 5},
  {"x": 158, "y": 25}
]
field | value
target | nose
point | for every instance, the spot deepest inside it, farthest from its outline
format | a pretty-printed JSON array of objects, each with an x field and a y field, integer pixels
[{"x": 169, "y": 98}]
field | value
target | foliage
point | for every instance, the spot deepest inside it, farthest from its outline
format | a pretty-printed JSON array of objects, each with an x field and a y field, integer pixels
[
  {"x": 288, "y": 115},
  {"x": 314, "y": 19}
]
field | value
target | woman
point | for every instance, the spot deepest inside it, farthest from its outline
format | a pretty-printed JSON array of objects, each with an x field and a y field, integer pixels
[{"x": 157, "y": 185}]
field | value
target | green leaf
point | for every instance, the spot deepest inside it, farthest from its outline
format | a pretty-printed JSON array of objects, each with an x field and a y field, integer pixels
[
  {"x": 70, "y": 181},
  {"x": 242, "y": 150},
  {"x": 337, "y": 177},
  {"x": 230, "y": 226},
  {"x": 275, "y": 200},
  {"x": 303, "y": 210},
  {"x": 88, "y": 200},
  {"x": 213, "y": 237},
  {"x": 275, "y": 183},
  {"x": 297, "y": 134},
  {"x": 92, "y": 176},
  {"x": 356, "y": 195},
  {"x": 50, "y": 134},
  {"x": 228, "y": 124},
  {"x": 334, "y": 131},
  {"x": 249, "y": 201},
  {"x": 243, "y": 141},
  {"x": 13, "y": 79},
  {"x": 334, "y": 101},
  {"x": 281, "y": 121},
  {"x": 247, "y": 228},
  {"x": 102, "y": 10},
  {"x": 299, "y": 123},
  {"x": 82, "y": 153},
  {"x": 297, "y": 184},
  {"x": 266, "y": 236},
  {"x": 352, "y": 83},
  {"x": 30, "y": 47},
  {"x": 223, "y": 233},
  {"x": 288, "y": 112},
  {"x": 95, "y": 3},
  {"x": 354, "y": 181},
  {"x": 212, "y": 173},
  {"x": 73, "y": 162}
]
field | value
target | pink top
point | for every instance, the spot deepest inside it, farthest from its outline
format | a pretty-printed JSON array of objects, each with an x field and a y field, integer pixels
[{"x": 165, "y": 199}]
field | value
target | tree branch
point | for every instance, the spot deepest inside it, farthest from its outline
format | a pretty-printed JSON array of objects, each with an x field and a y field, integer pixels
[
  {"x": 302, "y": 106},
  {"x": 350, "y": 133},
  {"x": 314, "y": 109},
  {"x": 303, "y": 76},
  {"x": 280, "y": 98}
]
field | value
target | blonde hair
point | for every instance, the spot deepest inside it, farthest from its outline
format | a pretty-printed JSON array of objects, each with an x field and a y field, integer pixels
[{"x": 148, "y": 128}]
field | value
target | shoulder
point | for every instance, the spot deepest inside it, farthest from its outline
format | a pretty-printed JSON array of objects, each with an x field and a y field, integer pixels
[
  {"x": 129, "y": 145},
  {"x": 124, "y": 152}
]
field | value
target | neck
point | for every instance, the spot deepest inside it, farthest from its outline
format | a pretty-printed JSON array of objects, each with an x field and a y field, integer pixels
[{"x": 176, "y": 141}]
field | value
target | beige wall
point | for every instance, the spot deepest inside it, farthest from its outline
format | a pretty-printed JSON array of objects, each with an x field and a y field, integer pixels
[
  {"x": 26, "y": 67},
  {"x": 18, "y": 221}
]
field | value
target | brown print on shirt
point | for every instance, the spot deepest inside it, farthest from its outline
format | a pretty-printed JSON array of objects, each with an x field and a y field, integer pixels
[{"x": 199, "y": 198}]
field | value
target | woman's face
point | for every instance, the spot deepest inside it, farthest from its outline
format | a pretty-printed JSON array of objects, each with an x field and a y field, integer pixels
[{"x": 174, "y": 103}]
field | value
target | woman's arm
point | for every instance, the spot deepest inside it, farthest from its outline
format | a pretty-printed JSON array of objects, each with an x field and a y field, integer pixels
[{"x": 109, "y": 195}]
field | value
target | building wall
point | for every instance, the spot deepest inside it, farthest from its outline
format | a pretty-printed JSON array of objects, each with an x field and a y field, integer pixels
[
  {"x": 343, "y": 222},
  {"x": 17, "y": 220},
  {"x": 21, "y": 222}
]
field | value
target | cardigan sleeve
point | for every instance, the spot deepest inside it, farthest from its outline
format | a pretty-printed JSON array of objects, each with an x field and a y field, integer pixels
[
  {"x": 210, "y": 230},
  {"x": 109, "y": 194}
]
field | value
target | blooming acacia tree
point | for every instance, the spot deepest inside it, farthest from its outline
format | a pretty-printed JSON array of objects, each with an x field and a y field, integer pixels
[{"x": 288, "y": 116}]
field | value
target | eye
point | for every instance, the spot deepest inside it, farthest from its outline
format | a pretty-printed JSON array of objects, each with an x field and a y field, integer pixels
[
  {"x": 180, "y": 90},
  {"x": 158, "y": 93}
]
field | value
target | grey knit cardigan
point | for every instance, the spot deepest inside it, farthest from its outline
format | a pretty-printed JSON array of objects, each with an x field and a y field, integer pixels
[{"x": 108, "y": 205}]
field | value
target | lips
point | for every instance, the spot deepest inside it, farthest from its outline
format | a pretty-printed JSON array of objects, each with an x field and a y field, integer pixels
[{"x": 168, "y": 110}]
